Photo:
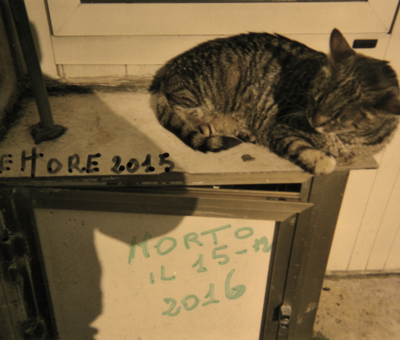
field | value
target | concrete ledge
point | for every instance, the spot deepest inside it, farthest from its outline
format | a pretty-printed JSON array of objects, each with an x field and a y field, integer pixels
[{"x": 105, "y": 84}]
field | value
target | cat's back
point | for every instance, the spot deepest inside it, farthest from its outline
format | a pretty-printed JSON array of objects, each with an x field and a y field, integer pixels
[{"x": 249, "y": 47}]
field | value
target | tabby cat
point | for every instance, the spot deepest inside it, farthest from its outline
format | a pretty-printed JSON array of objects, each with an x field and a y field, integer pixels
[{"x": 312, "y": 109}]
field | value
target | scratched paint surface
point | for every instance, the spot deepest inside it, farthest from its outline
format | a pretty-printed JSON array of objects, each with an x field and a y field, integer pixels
[{"x": 154, "y": 276}]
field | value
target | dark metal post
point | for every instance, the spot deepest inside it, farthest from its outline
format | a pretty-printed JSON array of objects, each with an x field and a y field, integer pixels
[
  {"x": 310, "y": 252},
  {"x": 47, "y": 130}
]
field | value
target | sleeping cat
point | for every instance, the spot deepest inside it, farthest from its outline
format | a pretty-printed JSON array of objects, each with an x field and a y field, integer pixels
[{"x": 312, "y": 109}]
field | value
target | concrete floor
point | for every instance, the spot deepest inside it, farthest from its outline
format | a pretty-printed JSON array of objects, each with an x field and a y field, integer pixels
[
  {"x": 359, "y": 308},
  {"x": 365, "y": 307}
]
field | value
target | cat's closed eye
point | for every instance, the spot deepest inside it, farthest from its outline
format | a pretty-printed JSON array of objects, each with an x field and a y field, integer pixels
[{"x": 356, "y": 118}]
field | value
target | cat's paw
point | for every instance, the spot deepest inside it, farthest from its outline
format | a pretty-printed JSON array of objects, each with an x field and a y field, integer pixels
[
  {"x": 317, "y": 162},
  {"x": 325, "y": 165},
  {"x": 207, "y": 129},
  {"x": 247, "y": 137}
]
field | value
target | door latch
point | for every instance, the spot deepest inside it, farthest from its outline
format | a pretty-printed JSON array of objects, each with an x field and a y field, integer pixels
[{"x": 285, "y": 313}]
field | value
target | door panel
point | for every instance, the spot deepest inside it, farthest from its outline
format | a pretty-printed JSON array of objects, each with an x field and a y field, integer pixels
[
  {"x": 72, "y": 18},
  {"x": 157, "y": 50}
]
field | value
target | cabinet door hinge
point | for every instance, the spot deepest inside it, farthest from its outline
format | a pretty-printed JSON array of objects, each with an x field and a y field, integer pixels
[
  {"x": 13, "y": 250},
  {"x": 14, "y": 257}
]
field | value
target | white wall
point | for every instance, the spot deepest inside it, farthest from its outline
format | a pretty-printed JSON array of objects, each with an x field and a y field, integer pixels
[{"x": 367, "y": 236}]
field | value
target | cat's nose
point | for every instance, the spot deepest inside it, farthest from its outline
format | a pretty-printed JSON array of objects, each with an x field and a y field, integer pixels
[{"x": 319, "y": 120}]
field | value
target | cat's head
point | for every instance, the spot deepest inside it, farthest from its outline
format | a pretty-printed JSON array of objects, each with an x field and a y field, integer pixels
[{"x": 353, "y": 92}]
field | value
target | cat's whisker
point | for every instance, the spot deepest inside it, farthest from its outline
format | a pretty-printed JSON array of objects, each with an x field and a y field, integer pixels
[
  {"x": 333, "y": 139},
  {"x": 297, "y": 106},
  {"x": 343, "y": 145},
  {"x": 291, "y": 117}
]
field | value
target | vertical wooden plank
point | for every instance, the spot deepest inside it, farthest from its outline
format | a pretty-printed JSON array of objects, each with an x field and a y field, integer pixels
[
  {"x": 392, "y": 263},
  {"x": 355, "y": 200},
  {"x": 376, "y": 206},
  {"x": 385, "y": 10},
  {"x": 60, "y": 11},
  {"x": 40, "y": 28},
  {"x": 387, "y": 231},
  {"x": 385, "y": 180}
]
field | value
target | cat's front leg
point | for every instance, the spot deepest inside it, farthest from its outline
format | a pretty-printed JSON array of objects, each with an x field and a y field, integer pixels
[
  {"x": 292, "y": 145},
  {"x": 315, "y": 161}
]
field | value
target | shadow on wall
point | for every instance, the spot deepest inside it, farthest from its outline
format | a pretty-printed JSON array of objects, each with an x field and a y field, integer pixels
[
  {"x": 14, "y": 78},
  {"x": 72, "y": 264},
  {"x": 10, "y": 88},
  {"x": 77, "y": 278},
  {"x": 104, "y": 123}
]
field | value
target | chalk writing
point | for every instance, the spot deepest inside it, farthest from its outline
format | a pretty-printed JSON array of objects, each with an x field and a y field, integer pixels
[
  {"x": 234, "y": 292},
  {"x": 171, "y": 248},
  {"x": 90, "y": 162},
  {"x": 231, "y": 293},
  {"x": 165, "y": 278},
  {"x": 163, "y": 161},
  {"x": 199, "y": 263},
  {"x": 50, "y": 163},
  {"x": 152, "y": 278},
  {"x": 194, "y": 305},
  {"x": 210, "y": 295},
  {"x": 193, "y": 238},
  {"x": 142, "y": 244},
  {"x": 32, "y": 158},
  {"x": 117, "y": 169},
  {"x": 240, "y": 252},
  {"x": 170, "y": 309},
  {"x": 73, "y": 163},
  {"x": 213, "y": 232},
  {"x": 263, "y": 241},
  {"x": 242, "y": 237},
  {"x": 132, "y": 161},
  {"x": 55, "y": 165},
  {"x": 147, "y": 164},
  {"x": 219, "y": 256},
  {"x": 3, "y": 161},
  {"x": 191, "y": 242}
]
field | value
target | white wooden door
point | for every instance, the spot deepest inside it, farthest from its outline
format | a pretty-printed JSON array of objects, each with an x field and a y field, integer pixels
[{"x": 134, "y": 39}]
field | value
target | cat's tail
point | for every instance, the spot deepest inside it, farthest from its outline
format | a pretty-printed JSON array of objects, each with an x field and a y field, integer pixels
[{"x": 188, "y": 131}]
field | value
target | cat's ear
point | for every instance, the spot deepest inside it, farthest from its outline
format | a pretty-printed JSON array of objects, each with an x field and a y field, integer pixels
[
  {"x": 393, "y": 106},
  {"x": 390, "y": 105},
  {"x": 340, "y": 49}
]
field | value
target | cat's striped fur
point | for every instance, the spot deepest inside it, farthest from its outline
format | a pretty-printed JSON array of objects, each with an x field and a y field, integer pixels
[{"x": 313, "y": 109}]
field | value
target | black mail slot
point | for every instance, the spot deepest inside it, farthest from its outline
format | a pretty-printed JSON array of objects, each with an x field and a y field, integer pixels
[{"x": 365, "y": 43}]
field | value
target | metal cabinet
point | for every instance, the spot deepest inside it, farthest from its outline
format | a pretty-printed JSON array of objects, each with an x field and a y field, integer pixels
[{"x": 303, "y": 216}]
